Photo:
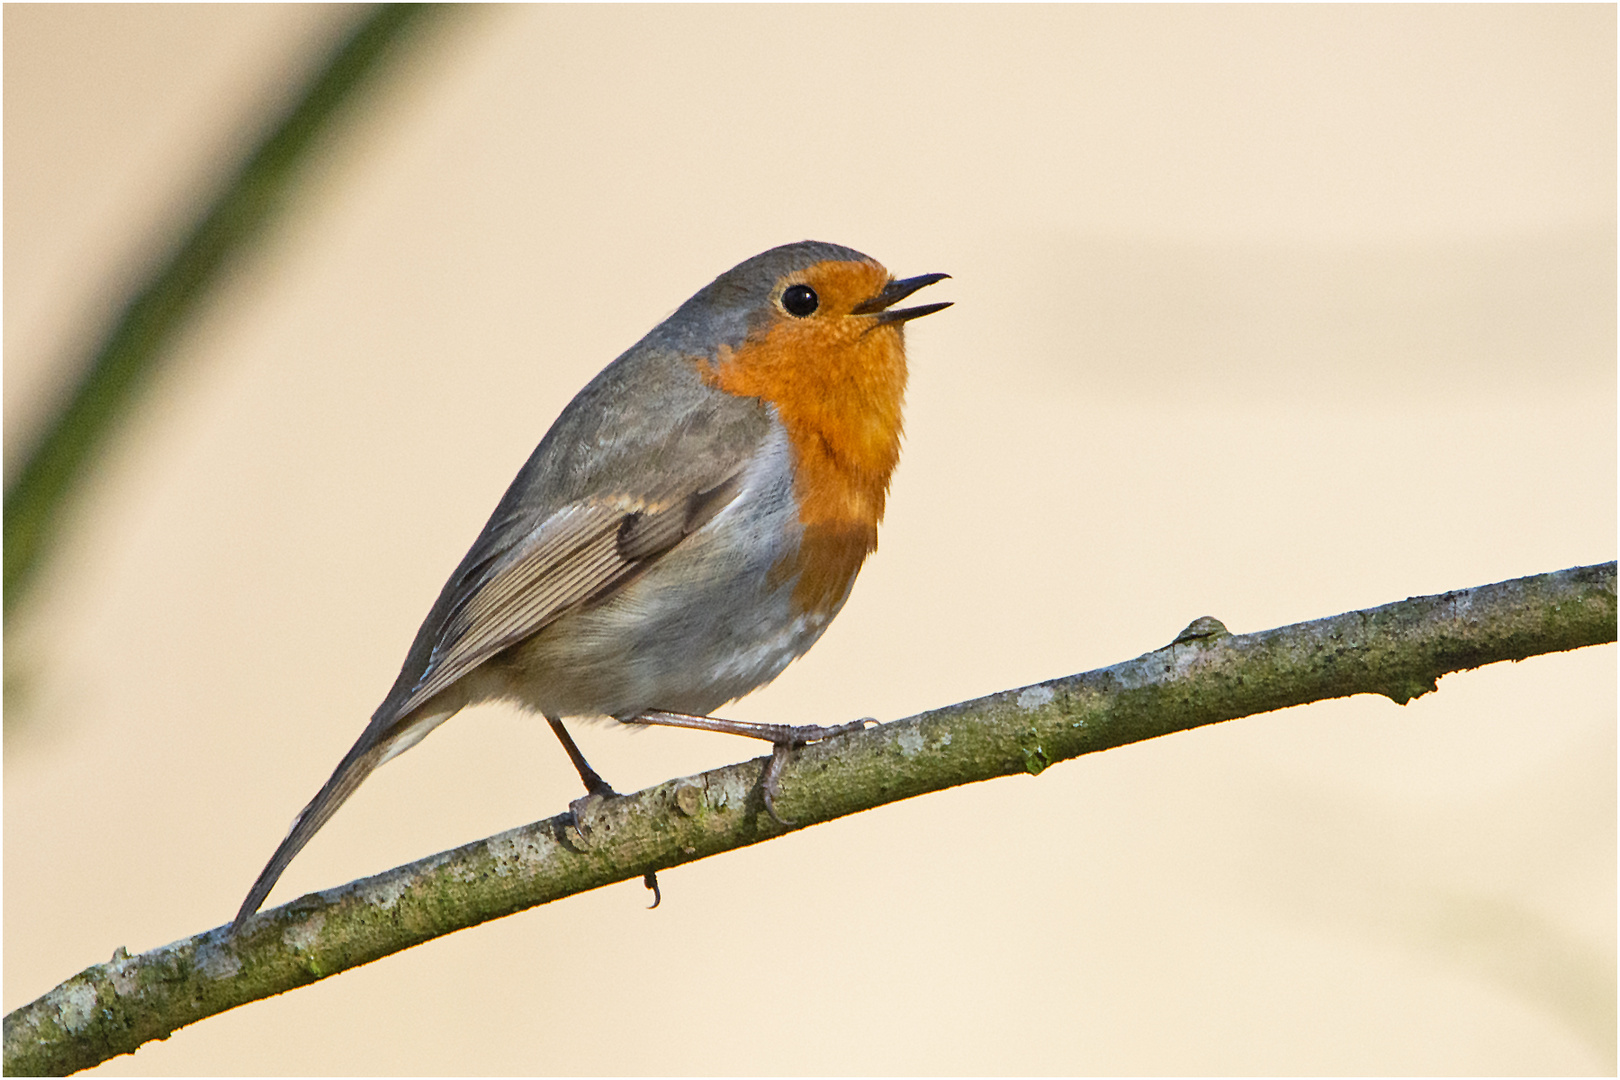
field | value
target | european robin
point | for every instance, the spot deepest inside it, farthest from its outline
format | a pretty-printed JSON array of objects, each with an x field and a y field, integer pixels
[{"x": 687, "y": 528}]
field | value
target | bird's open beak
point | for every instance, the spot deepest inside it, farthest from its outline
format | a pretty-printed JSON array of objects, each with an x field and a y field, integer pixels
[{"x": 896, "y": 291}]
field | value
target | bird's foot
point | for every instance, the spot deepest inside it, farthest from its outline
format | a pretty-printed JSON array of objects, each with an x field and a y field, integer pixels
[
  {"x": 584, "y": 808},
  {"x": 790, "y": 739},
  {"x": 783, "y": 737}
]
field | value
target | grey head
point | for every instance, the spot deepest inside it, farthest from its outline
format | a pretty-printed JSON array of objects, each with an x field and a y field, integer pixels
[{"x": 725, "y": 310}]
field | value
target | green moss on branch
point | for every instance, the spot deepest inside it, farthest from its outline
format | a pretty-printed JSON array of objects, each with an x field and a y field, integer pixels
[{"x": 1206, "y": 675}]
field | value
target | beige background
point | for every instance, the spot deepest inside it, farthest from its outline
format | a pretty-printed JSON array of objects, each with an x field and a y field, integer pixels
[{"x": 1265, "y": 313}]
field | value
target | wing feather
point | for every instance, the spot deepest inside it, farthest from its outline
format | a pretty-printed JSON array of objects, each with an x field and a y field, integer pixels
[{"x": 581, "y": 554}]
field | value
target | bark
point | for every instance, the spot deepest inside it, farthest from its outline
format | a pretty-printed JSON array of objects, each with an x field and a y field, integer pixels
[{"x": 1204, "y": 676}]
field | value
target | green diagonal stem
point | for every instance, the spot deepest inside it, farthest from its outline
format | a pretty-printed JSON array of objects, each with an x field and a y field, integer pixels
[{"x": 138, "y": 340}]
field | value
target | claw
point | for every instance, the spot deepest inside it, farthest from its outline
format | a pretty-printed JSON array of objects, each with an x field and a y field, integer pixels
[
  {"x": 580, "y": 809},
  {"x": 651, "y": 881},
  {"x": 790, "y": 739},
  {"x": 771, "y": 783},
  {"x": 576, "y": 810}
]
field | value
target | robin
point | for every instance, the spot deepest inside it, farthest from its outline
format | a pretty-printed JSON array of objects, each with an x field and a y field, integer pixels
[{"x": 687, "y": 528}]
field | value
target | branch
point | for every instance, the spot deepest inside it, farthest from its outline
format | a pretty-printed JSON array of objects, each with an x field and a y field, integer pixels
[{"x": 1203, "y": 677}]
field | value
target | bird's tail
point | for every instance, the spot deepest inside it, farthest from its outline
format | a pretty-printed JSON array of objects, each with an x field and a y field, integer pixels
[
  {"x": 374, "y": 747},
  {"x": 356, "y": 765}
]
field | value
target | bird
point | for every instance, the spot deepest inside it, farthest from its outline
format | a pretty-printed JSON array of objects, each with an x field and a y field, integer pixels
[{"x": 689, "y": 525}]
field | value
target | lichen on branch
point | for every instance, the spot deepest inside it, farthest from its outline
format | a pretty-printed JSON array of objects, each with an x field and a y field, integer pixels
[{"x": 1204, "y": 676}]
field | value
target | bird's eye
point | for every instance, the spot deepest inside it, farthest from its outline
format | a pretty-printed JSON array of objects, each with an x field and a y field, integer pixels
[{"x": 800, "y": 300}]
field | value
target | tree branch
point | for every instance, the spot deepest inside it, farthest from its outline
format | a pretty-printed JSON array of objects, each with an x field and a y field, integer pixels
[{"x": 1203, "y": 677}]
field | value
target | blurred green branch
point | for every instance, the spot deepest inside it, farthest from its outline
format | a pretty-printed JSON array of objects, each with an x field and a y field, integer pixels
[
  {"x": 1204, "y": 676},
  {"x": 135, "y": 345}
]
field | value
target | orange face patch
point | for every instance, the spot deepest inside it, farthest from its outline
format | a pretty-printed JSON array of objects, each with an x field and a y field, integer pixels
[{"x": 838, "y": 382}]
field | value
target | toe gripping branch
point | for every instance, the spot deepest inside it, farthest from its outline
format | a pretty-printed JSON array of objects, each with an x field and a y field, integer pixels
[{"x": 783, "y": 738}]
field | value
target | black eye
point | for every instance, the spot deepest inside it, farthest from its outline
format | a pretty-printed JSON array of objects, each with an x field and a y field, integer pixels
[{"x": 800, "y": 300}]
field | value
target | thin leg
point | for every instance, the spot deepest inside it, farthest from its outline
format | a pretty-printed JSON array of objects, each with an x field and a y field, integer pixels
[
  {"x": 771, "y": 733},
  {"x": 784, "y": 740},
  {"x": 596, "y": 788},
  {"x": 593, "y": 782}
]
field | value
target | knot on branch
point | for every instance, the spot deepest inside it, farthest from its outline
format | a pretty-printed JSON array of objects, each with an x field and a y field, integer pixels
[
  {"x": 1404, "y": 690},
  {"x": 1204, "y": 628}
]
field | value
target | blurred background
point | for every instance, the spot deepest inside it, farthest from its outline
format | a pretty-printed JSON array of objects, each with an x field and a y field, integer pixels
[{"x": 1265, "y": 313}]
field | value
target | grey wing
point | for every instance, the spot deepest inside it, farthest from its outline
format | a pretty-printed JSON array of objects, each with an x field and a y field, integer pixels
[{"x": 580, "y": 554}]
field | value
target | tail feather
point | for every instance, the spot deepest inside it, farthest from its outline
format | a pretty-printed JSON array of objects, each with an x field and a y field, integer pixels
[
  {"x": 356, "y": 765},
  {"x": 385, "y": 737}
]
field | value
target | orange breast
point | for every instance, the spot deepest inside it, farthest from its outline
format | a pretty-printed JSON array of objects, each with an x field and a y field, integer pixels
[{"x": 838, "y": 383}]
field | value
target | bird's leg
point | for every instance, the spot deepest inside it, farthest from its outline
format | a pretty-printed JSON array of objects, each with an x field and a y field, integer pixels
[
  {"x": 771, "y": 733},
  {"x": 596, "y": 788},
  {"x": 783, "y": 738},
  {"x": 593, "y": 782}
]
